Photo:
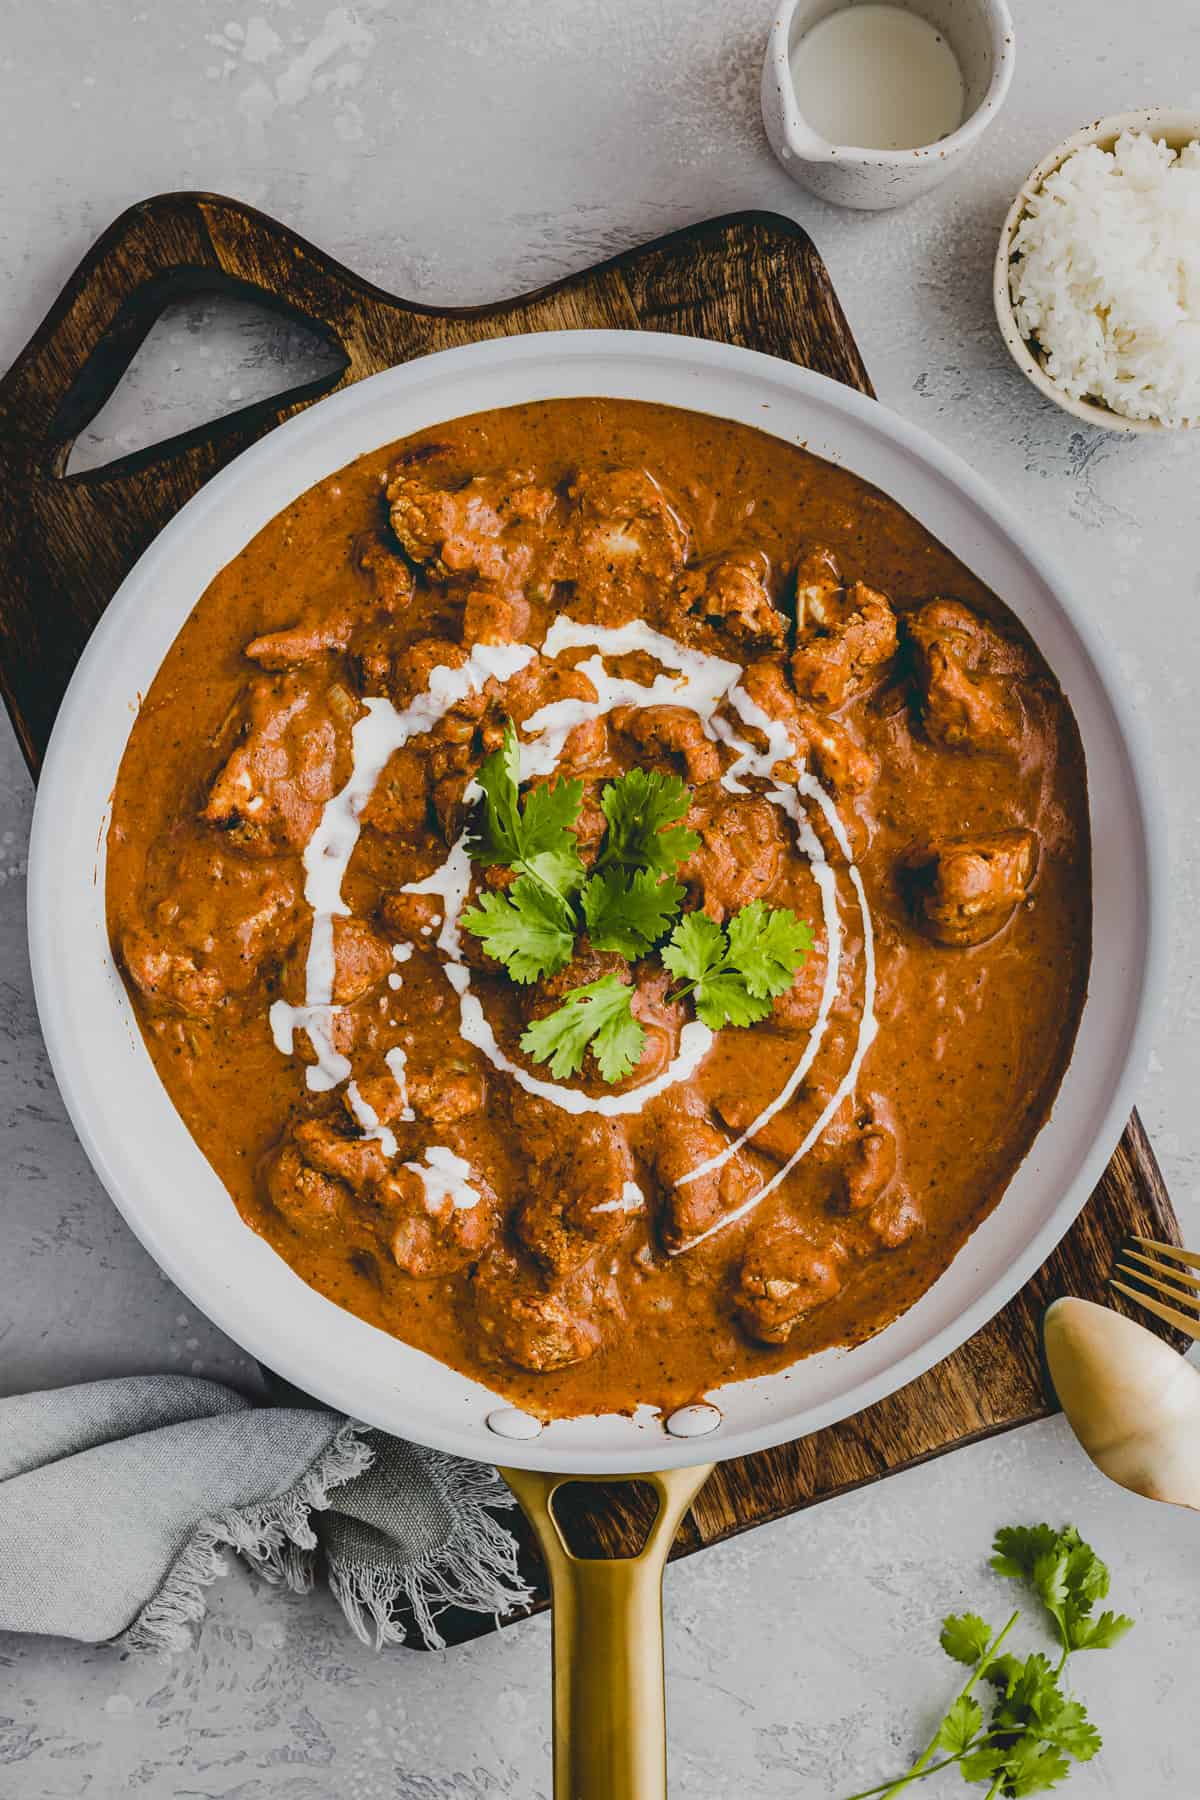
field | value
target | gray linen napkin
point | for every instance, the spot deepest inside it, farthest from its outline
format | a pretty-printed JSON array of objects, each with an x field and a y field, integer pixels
[{"x": 118, "y": 1497}]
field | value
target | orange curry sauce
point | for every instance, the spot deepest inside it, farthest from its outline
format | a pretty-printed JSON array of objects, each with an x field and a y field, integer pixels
[{"x": 570, "y": 1268}]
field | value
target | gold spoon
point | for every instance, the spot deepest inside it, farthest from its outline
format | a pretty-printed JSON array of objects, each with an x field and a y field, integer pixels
[{"x": 1132, "y": 1401}]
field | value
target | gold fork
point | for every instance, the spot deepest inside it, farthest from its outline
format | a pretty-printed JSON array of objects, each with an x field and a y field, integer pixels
[{"x": 1147, "y": 1272}]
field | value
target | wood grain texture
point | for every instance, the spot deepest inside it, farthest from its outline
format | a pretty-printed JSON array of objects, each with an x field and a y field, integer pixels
[{"x": 67, "y": 542}]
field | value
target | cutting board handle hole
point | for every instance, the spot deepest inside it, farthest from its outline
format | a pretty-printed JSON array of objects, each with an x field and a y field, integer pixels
[{"x": 200, "y": 366}]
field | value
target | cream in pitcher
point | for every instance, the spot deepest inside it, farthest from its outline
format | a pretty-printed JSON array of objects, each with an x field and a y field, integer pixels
[
  {"x": 879, "y": 76},
  {"x": 869, "y": 104}
]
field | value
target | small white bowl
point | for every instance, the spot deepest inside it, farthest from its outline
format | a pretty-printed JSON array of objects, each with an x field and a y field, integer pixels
[{"x": 1176, "y": 127}]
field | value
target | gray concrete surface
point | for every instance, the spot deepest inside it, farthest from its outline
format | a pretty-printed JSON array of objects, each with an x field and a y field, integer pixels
[{"x": 458, "y": 151}]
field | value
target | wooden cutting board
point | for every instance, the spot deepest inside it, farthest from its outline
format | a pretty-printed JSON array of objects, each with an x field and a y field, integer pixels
[{"x": 66, "y": 542}]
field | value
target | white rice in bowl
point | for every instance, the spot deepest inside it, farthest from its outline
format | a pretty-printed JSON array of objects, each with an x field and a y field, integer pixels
[{"x": 1105, "y": 278}]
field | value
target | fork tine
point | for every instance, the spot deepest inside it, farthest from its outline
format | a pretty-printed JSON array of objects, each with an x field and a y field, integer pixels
[
  {"x": 1160, "y": 1287},
  {"x": 1180, "y": 1276},
  {"x": 1184, "y": 1256},
  {"x": 1184, "y": 1321}
]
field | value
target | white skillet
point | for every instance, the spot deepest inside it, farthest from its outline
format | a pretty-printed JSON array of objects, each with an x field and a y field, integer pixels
[{"x": 140, "y": 1147}]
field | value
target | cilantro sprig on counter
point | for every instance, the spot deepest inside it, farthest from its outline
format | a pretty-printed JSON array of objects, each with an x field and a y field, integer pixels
[
  {"x": 1035, "y": 1730},
  {"x": 628, "y": 902}
]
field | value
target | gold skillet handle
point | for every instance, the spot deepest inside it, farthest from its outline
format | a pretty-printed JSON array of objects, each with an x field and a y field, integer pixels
[{"x": 610, "y": 1722}]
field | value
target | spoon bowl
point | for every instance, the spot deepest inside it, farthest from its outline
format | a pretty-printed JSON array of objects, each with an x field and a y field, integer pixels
[{"x": 1132, "y": 1401}]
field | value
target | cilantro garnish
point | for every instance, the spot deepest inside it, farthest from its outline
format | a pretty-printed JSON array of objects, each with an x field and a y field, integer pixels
[
  {"x": 530, "y": 929},
  {"x": 534, "y": 837},
  {"x": 628, "y": 903},
  {"x": 1035, "y": 1731},
  {"x": 629, "y": 915},
  {"x": 597, "y": 1016},
  {"x": 643, "y": 811},
  {"x": 734, "y": 973}
]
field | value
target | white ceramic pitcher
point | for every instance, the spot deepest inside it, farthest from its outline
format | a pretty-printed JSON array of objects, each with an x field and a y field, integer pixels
[{"x": 980, "y": 33}]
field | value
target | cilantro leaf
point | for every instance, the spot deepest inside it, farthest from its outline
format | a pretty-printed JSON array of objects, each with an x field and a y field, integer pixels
[
  {"x": 1036, "y": 1730},
  {"x": 1017, "y": 1547},
  {"x": 983, "y": 1764},
  {"x": 500, "y": 778},
  {"x": 1033, "y": 1768},
  {"x": 1004, "y": 1671},
  {"x": 961, "y": 1725},
  {"x": 549, "y": 847},
  {"x": 639, "y": 808},
  {"x": 1030, "y": 1693},
  {"x": 598, "y": 1015},
  {"x": 1071, "y": 1730},
  {"x": 561, "y": 871},
  {"x": 768, "y": 946},
  {"x": 696, "y": 948},
  {"x": 629, "y": 916},
  {"x": 534, "y": 836},
  {"x": 529, "y": 929},
  {"x": 965, "y": 1637},
  {"x": 733, "y": 973},
  {"x": 725, "y": 999},
  {"x": 1101, "y": 1633},
  {"x": 1067, "y": 1576},
  {"x": 1086, "y": 1575},
  {"x": 1049, "y": 1578}
]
